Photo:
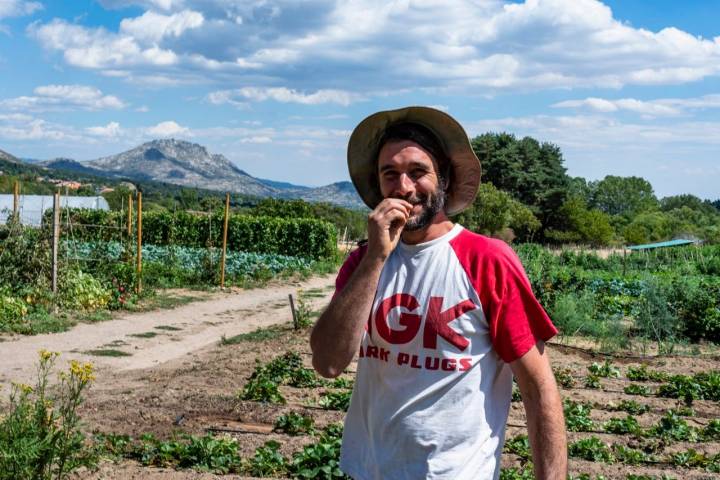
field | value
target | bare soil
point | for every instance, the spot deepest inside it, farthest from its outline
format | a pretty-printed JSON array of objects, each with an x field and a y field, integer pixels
[{"x": 186, "y": 381}]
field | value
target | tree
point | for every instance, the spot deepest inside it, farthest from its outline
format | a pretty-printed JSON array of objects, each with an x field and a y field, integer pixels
[
  {"x": 627, "y": 196},
  {"x": 648, "y": 227},
  {"x": 494, "y": 211},
  {"x": 582, "y": 225},
  {"x": 533, "y": 173}
]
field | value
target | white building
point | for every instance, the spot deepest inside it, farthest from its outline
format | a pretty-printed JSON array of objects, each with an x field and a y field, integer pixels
[{"x": 32, "y": 207}]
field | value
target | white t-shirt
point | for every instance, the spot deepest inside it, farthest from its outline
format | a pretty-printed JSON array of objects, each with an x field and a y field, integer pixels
[{"x": 433, "y": 385}]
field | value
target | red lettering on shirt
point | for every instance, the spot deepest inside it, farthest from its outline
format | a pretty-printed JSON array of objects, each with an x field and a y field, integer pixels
[
  {"x": 436, "y": 323},
  {"x": 410, "y": 321}
]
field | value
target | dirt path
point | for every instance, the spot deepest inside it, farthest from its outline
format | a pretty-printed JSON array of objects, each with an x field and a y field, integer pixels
[{"x": 152, "y": 338}]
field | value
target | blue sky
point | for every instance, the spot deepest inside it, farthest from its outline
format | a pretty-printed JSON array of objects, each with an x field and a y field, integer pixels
[{"x": 628, "y": 87}]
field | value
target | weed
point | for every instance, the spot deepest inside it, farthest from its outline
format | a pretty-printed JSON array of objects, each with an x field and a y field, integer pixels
[
  {"x": 516, "y": 397},
  {"x": 143, "y": 335},
  {"x": 259, "y": 335},
  {"x": 40, "y": 435},
  {"x": 304, "y": 314},
  {"x": 168, "y": 328},
  {"x": 294, "y": 423}
]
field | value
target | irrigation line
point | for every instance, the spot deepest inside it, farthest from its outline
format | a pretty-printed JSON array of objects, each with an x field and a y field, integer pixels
[{"x": 594, "y": 353}]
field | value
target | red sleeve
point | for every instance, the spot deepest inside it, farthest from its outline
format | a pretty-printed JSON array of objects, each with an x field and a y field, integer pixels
[
  {"x": 347, "y": 269},
  {"x": 515, "y": 318}
]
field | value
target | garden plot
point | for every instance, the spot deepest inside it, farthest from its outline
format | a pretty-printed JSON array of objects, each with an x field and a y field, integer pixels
[{"x": 271, "y": 416}]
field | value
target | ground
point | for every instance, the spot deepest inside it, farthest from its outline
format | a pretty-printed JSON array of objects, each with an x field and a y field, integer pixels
[{"x": 180, "y": 377}]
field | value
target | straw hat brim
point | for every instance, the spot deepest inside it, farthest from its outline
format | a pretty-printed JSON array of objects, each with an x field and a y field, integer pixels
[{"x": 363, "y": 150}]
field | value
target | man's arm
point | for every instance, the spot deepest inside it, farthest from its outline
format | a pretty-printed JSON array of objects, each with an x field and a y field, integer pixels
[
  {"x": 337, "y": 333},
  {"x": 544, "y": 411}
]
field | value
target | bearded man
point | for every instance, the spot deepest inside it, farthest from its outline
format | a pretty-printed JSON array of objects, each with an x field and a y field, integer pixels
[{"x": 442, "y": 318}]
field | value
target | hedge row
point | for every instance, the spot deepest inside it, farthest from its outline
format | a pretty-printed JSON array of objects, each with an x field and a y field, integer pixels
[{"x": 304, "y": 237}]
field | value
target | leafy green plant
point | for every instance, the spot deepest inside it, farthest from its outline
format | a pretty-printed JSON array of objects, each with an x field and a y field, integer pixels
[
  {"x": 593, "y": 381},
  {"x": 564, "y": 377},
  {"x": 711, "y": 432},
  {"x": 286, "y": 369},
  {"x": 339, "y": 400},
  {"x": 41, "y": 436},
  {"x": 303, "y": 313},
  {"x": 294, "y": 423},
  {"x": 518, "y": 445},
  {"x": 208, "y": 453},
  {"x": 630, "y": 456},
  {"x": 321, "y": 459},
  {"x": 342, "y": 382},
  {"x": 604, "y": 370},
  {"x": 592, "y": 449},
  {"x": 623, "y": 426},
  {"x": 631, "y": 406},
  {"x": 701, "y": 386},
  {"x": 636, "y": 389},
  {"x": 642, "y": 373},
  {"x": 267, "y": 461},
  {"x": 674, "y": 427},
  {"x": 577, "y": 416},
  {"x": 514, "y": 473}
]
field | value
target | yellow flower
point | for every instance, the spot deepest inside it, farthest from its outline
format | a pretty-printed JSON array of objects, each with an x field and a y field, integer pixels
[{"x": 46, "y": 355}]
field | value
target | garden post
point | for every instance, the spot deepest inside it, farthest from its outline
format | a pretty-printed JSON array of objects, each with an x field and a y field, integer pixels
[
  {"x": 138, "y": 267},
  {"x": 55, "y": 240},
  {"x": 129, "y": 216},
  {"x": 16, "y": 200},
  {"x": 224, "y": 244},
  {"x": 294, "y": 314}
]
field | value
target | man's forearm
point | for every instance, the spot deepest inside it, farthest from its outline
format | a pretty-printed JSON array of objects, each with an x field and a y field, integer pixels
[
  {"x": 546, "y": 431},
  {"x": 337, "y": 333}
]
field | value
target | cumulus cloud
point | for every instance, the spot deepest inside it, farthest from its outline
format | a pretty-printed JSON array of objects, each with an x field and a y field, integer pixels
[
  {"x": 64, "y": 97},
  {"x": 17, "y": 8},
  {"x": 168, "y": 129},
  {"x": 281, "y": 94},
  {"x": 649, "y": 108},
  {"x": 112, "y": 129},
  {"x": 152, "y": 26}
]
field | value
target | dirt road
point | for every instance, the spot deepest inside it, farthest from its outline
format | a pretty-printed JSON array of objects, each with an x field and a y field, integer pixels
[{"x": 148, "y": 339}]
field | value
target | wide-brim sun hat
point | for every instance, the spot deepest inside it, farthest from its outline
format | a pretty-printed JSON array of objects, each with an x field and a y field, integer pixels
[{"x": 363, "y": 150}]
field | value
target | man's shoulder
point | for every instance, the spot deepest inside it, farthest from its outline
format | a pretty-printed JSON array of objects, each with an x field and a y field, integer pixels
[{"x": 470, "y": 245}]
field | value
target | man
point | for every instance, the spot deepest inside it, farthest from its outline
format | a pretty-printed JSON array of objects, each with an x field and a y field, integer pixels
[{"x": 442, "y": 317}]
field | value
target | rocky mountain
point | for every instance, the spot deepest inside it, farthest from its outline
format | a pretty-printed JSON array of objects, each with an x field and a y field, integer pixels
[
  {"x": 7, "y": 157},
  {"x": 181, "y": 163}
]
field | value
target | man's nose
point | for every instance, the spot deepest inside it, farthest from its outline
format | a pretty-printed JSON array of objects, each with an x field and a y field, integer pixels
[{"x": 405, "y": 185}]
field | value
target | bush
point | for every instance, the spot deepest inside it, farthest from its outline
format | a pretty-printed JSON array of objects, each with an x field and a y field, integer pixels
[{"x": 40, "y": 438}]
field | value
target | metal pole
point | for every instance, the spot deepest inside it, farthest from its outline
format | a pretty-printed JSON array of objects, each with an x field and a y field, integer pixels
[
  {"x": 55, "y": 240},
  {"x": 138, "y": 268},
  {"x": 224, "y": 245}
]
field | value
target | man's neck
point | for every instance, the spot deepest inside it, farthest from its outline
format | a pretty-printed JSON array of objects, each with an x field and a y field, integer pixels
[{"x": 437, "y": 228}]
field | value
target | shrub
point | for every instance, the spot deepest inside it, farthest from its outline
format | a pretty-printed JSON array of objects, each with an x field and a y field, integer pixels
[{"x": 40, "y": 438}]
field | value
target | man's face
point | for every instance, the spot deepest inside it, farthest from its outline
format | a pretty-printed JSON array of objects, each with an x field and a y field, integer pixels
[{"x": 407, "y": 171}]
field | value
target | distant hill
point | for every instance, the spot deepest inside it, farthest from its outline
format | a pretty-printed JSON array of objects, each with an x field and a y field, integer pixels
[{"x": 8, "y": 158}]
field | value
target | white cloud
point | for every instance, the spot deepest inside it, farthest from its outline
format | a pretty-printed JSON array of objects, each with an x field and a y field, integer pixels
[
  {"x": 283, "y": 95},
  {"x": 112, "y": 129},
  {"x": 168, "y": 129},
  {"x": 64, "y": 97},
  {"x": 17, "y": 8},
  {"x": 370, "y": 45},
  {"x": 153, "y": 27},
  {"x": 648, "y": 108}
]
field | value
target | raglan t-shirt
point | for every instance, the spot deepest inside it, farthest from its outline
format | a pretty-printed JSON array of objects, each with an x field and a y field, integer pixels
[{"x": 433, "y": 384}]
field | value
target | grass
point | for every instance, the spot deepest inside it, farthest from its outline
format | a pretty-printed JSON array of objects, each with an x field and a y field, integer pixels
[
  {"x": 107, "y": 352},
  {"x": 168, "y": 328},
  {"x": 259, "y": 335},
  {"x": 143, "y": 335},
  {"x": 164, "y": 300},
  {"x": 312, "y": 293}
]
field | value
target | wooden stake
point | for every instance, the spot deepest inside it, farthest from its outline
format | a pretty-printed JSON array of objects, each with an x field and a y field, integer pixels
[
  {"x": 55, "y": 240},
  {"x": 294, "y": 314},
  {"x": 224, "y": 245},
  {"x": 138, "y": 268},
  {"x": 129, "y": 216},
  {"x": 16, "y": 199}
]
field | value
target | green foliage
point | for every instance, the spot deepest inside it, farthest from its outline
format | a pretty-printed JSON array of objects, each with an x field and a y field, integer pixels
[
  {"x": 342, "y": 382},
  {"x": 711, "y": 432},
  {"x": 577, "y": 416},
  {"x": 564, "y": 377},
  {"x": 582, "y": 225},
  {"x": 300, "y": 237},
  {"x": 641, "y": 373},
  {"x": 267, "y": 461},
  {"x": 592, "y": 449},
  {"x": 514, "y": 473},
  {"x": 208, "y": 453},
  {"x": 630, "y": 456},
  {"x": 82, "y": 291},
  {"x": 604, "y": 370},
  {"x": 694, "y": 459},
  {"x": 494, "y": 211},
  {"x": 636, "y": 389},
  {"x": 672, "y": 426},
  {"x": 623, "y": 426},
  {"x": 40, "y": 435},
  {"x": 701, "y": 386},
  {"x": 592, "y": 381},
  {"x": 294, "y": 423},
  {"x": 303, "y": 314},
  {"x": 631, "y": 406},
  {"x": 518, "y": 445},
  {"x": 320, "y": 460},
  {"x": 625, "y": 196},
  {"x": 339, "y": 400},
  {"x": 286, "y": 369}
]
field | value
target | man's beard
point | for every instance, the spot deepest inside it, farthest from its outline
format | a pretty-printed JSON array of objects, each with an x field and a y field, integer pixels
[{"x": 431, "y": 205}]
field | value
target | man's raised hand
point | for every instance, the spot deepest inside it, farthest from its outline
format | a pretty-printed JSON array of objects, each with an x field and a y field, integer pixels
[{"x": 385, "y": 224}]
